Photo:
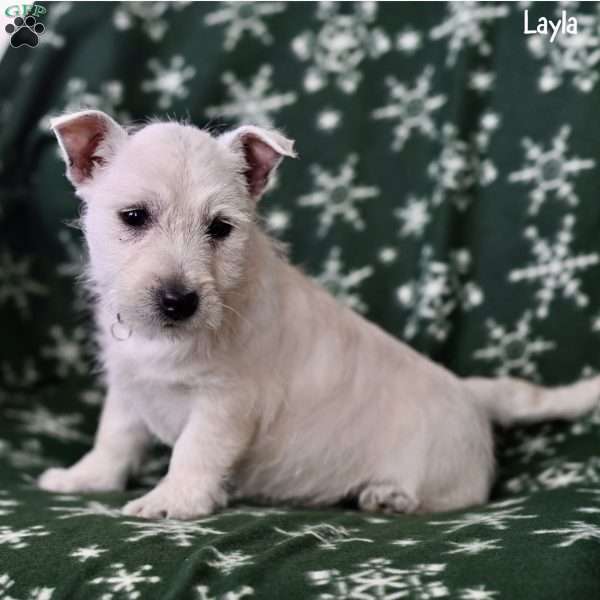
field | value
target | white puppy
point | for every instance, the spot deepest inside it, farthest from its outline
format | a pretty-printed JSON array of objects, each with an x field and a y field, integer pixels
[{"x": 263, "y": 384}]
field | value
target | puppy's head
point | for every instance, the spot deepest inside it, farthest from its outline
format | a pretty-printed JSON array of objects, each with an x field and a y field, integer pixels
[{"x": 169, "y": 214}]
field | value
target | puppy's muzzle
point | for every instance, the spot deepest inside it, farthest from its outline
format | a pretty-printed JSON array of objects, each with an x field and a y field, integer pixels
[{"x": 177, "y": 304}]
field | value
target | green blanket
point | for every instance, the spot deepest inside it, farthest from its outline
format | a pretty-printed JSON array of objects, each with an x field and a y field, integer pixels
[{"x": 447, "y": 189}]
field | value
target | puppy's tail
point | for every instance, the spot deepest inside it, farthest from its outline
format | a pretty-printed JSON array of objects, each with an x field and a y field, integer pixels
[{"x": 513, "y": 402}]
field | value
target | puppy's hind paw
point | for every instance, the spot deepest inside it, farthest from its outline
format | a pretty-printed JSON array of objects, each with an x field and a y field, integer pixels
[{"x": 386, "y": 498}]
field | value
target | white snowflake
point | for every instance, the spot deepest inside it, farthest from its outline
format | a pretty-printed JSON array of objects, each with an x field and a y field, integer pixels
[
  {"x": 242, "y": 592},
  {"x": 477, "y": 593},
  {"x": 409, "y": 40},
  {"x": 7, "y": 504},
  {"x": 84, "y": 553},
  {"x": 37, "y": 593},
  {"x": 576, "y": 531},
  {"x": 513, "y": 351},
  {"x": 438, "y": 291},
  {"x": 528, "y": 446},
  {"x": 20, "y": 538},
  {"x": 22, "y": 379},
  {"x": 67, "y": 350},
  {"x": 329, "y": 536},
  {"x": 77, "y": 96},
  {"x": 481, "y": 81},
  {"x": 414, "y": 216},
  {"x": 242, "y": 17},
  {"x": 75, "y": 263},
  {"x": 170, "y": 80},
  {"x": 550, "y": 173},
  {"x": 277, "y": 220},
  {"x": 410, "y": 108},
  {"x": 123, "y": 583},
  {"x": 337, "y": 195},
  {"x": 462, "y": 164},
  {"x": 181, "y": 533},
  {"x": 227, "y": 562},
  {"x": 574, "y": 56},
  {"x": 17, "y": 285},
  {"x": 555, "y": 269},
  {"x": 388, "y": 255},
  {"x": 340, "y": 46},
  {"x": 377, "y": 579},
  {"x": 92, "y": 508},
  {"x": 29, "y": 453},
  {"x": 51, "y": 20},
  {"x": 38, "y": 420},
  {"x": 328, "y": 119},
  {"x": 465, "y": 26},
  {"x": 253, "y": 103},
  {"x": 343, "y": 286},
  {"x": 148, "y": 16},
  {"x": 475, "y": 546},
  {"x": 557, "y": 473},
  {"x": 499, "y": 519}
]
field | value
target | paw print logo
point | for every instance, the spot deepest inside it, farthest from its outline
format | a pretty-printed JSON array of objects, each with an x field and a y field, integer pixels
[{"x": 24, "y": 32}]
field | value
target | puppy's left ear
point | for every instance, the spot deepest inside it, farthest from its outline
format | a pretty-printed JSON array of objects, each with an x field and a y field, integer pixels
[
  {"x": 262, "y": 151},
  {"x": 88, "y": 140}
]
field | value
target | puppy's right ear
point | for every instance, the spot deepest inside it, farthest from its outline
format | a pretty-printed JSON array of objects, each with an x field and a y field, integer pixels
[{"x": 88, "y": 140}]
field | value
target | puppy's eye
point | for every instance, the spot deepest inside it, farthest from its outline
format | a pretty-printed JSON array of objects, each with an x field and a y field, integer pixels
[
  {"x": 219, "y": 229},
  {"x": 134, "y": 217}
]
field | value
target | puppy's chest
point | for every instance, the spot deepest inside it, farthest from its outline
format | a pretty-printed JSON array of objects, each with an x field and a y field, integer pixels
[{"x": 165, "y": 409}]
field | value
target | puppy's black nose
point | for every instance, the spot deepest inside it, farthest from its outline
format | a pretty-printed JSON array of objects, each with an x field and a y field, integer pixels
[{"x": 177, "y": 305}]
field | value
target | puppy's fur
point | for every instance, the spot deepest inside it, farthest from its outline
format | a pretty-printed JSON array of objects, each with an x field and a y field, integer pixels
[{"x": 271, "y": 387}]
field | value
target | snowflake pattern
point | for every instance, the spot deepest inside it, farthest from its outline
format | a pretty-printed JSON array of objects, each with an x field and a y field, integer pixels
[
  {"x": 498, "y": 520},
  {"x": 576, "y": 531},
  {"x": 37, "y": 593},
  {"x": 242, "y": 17},
  {"x": 410, "y": 109},
  {"x": 149, "y": 17},
  {"x": 123, "y": 583},
  {"x": 17, "y": 539},
  {"x": 85, "y": 553},
  {"x": 343, "y": 285},
  {"x": 340, "y": 46},
  {"x": 462, "y": 165},
  {"x": 377, "y": 578},
  {"x": 475, "y": 546},
  {"x": 242, "y": 591},
  {"x": 465, "y": 25},
  {"x": 181, "y": 533},
  {"x": 576, "y": 57},
  {"x": 329, "y": 536},
  {"x": 227, "y": 562},
  {"x": 170, "y": 80},
  {"x": 67, "y": 351},
  {"x": 254, "y": 103},
  {"x": 17, "y": 286},
  {"x": 513, "y": 351},
  {"x": 77, "y": 96},
  {"x": 438, "y": 291},
  {"x": 557, "y": 473},
  {"x": 337, "y": 196},
  {"x": 38, "y": 420},
  {"x": 550, "y": 173},
  {"x": 555, "y": 269}
]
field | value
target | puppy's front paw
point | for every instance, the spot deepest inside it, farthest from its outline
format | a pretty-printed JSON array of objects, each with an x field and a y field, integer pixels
[
  {"x": 75, "y": 479},
  {"x": 168, "y": 501}
]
